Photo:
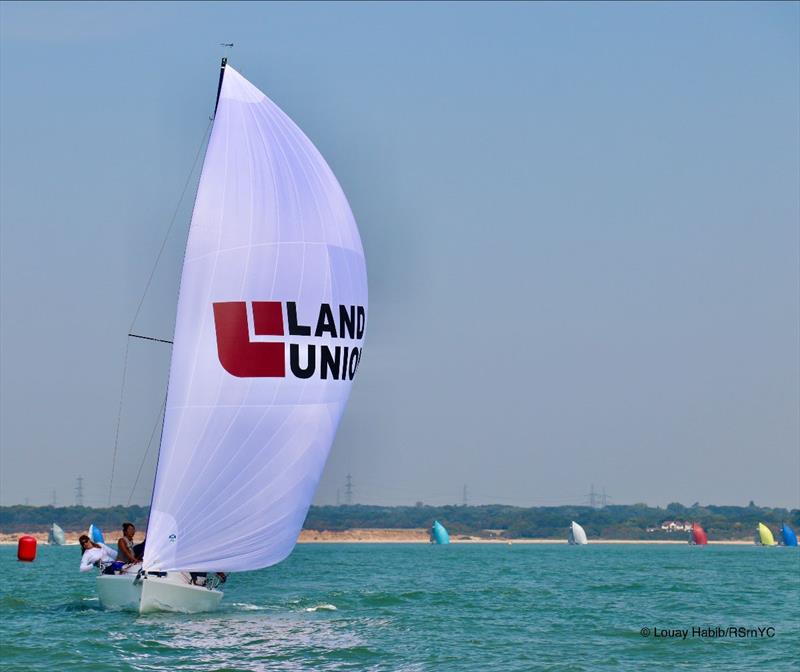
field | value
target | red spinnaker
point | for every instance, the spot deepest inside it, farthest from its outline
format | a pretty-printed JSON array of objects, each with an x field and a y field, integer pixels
[{"x": 699, "y": 535}]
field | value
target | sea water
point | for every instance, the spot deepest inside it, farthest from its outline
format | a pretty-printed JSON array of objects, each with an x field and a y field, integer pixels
[{"x": 419, "y": 607}]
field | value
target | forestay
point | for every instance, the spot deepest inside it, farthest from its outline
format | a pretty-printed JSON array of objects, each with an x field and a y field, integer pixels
[{"x": 270, "y": 322}]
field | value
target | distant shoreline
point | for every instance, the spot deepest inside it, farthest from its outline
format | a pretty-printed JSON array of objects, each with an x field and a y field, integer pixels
[
  {"x": 492, "y": 523},
  {"x": 402, "y": 536}
]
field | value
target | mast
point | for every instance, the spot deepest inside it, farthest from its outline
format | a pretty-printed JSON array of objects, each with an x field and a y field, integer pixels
[
  {"x": 166, "y": 397},
  {"x": 219, "y": 86},
  {"x": 150, "y": 279}
]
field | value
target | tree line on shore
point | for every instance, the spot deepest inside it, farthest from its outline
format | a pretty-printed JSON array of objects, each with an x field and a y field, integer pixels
[{"x": 635, "y": 521}]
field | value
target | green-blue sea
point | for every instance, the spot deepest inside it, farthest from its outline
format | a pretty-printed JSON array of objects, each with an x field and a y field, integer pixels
[{"x": 420, "y": 607}]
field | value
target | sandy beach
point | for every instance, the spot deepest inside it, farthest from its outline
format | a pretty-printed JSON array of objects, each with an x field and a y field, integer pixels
[
  {"x": 393, "y": 536},
  {"x": 421, "y": 536}
]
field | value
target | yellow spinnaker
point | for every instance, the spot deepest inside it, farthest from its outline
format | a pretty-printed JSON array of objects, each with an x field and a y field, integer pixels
[{"x": 765, "y": 535}]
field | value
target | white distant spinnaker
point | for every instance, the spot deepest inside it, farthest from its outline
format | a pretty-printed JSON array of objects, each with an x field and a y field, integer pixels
[
  {"x": 56, "y": 536},
  {"x": 270, "y": 323},
  {"x": 576, "y": 535}
]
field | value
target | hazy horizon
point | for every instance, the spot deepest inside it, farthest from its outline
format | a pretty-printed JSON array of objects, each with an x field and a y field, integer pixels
[
  {"x": 581, "y": 225},
  {"x": 459, "y": 505}
]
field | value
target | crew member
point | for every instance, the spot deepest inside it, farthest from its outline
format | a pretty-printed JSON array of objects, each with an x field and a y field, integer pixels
[
  {"x": 94, "y": 554},
  {"x": 126, "y": 551}
]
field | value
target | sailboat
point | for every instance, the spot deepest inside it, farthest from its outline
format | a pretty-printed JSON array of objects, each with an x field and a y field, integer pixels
[
  {"x": 788, "y": 536},
  {"x": 698, "y": 536},
  {"x": 764, "y": 536},
  {"x": 55, "y": 536},
  {"x": 439, "y": 533},
  {"x": 268, "y": 336},
  {"x": 576, "y": 535}
]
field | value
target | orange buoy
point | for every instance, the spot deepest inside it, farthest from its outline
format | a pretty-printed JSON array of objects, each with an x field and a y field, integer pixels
[{"x": 26, "y": 549}]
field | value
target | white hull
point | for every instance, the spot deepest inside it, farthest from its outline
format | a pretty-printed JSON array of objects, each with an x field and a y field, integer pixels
[{"x": 153, "y": 593}]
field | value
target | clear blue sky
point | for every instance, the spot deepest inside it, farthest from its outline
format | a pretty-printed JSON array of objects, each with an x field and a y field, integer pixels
[{"x": 580, "y": 220}]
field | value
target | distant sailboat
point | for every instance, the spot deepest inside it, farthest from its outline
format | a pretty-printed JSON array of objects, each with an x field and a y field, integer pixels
[
  {"x": 268, "y": 336},
  {"x": 788, "y": 537},
  {"x": 698, "y": 536},
  {"x": 55, "y": 536},
  {"x": 439, "y": 533},
  {"x": 764, "y": 536},
  {"x": 576, "y": 535}
]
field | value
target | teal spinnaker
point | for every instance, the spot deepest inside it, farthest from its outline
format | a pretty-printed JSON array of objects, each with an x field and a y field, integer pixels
[{"x": 439, "y": 534}]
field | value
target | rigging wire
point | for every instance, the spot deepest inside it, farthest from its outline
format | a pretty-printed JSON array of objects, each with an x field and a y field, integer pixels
[
  {"x": 171, "y": 224},
  {"x": 198, "y": 154},
  {"x": 159, "y": 419},
  {"x": 119, "y": 418}
]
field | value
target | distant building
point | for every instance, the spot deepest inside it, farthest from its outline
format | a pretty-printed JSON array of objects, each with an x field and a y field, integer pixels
[{"x": 676, "y": 526}]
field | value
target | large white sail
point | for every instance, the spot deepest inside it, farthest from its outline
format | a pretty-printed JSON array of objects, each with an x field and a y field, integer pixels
[{"x": 271, "y": 319}]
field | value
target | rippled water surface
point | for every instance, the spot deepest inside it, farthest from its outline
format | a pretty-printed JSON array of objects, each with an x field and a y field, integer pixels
[{"x": 418, "y": 607}]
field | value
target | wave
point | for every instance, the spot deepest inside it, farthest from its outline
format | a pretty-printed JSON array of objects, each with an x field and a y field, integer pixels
[
  {"x": 244, "y": 606},
  {"x": 323, "y": 607}
]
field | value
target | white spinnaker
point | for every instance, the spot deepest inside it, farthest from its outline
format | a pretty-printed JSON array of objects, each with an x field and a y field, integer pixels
[
  {"x": 241, "y": 457},
  {"x": 577, "y": 534}
]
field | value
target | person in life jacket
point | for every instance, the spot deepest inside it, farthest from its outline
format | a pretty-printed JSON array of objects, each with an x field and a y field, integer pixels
[
  {"x": 126, "y": 551},
  {"x": 94, "y": 555}
]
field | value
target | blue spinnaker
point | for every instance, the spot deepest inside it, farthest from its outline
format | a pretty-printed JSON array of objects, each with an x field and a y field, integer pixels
[
  {"x": 439, "y": 534},
  {"x": 96, "y": 534},
  {"x": 788, "y": 536}
]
